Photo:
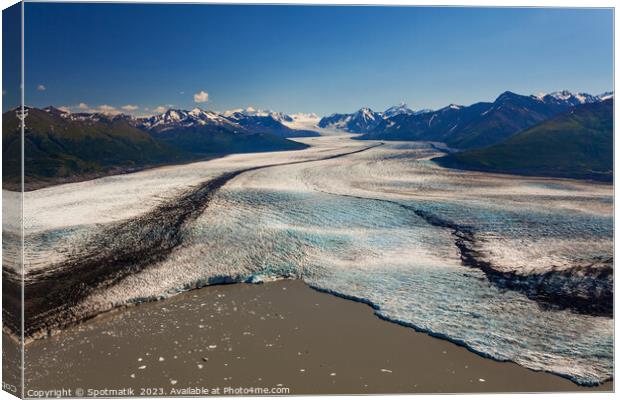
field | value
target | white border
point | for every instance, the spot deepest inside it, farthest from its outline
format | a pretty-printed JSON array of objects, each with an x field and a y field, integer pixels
[{"x": 478, "y": 3}]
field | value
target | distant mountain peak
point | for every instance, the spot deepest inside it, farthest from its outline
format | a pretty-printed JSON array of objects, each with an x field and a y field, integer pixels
[
  {"x": 568, "y": 98},
  {"x": 367, "y": 114},
  {"x": 177, "y": 118},
  {"x": 450, "y": 107},
  {"x": 55, "y": 110},
  {"x": 475, "y": 125},
  {"x": 252, "y": 112},
  {"x": 507, "y": 95},
  {"x": 401, "y": 108},
  {"x": 561, "y": 94},
  {"x": 361, "y": 121}
]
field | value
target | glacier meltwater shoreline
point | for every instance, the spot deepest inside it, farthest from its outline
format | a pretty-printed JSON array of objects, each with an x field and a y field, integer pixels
[{"x": 339, "y": 224}]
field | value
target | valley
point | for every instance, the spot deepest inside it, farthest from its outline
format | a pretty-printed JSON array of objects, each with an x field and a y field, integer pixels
[{"x": 376, "y": 222}]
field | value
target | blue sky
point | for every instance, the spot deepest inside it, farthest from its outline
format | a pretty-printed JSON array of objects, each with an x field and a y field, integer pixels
[{"x": 307, "y": 59}]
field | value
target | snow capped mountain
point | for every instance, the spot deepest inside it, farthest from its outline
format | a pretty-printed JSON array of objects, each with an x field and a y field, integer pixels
[
  {"x": 483, "y": 123},
  {"x": 422, "y": 111},
  {"x": 202, "y": 115},
  {"x": 396, "y": 120},
  {"x": 239, "y": 120},
  {"x": 183, "y": 119},
  {"x": 53, "y": 110},
  {"x": 281, "y": 117},
  {"x": 365, "y": 118},
  {"x": 84, "y": 117},
  {"x": 565, "y": 97},
  {"x": 251, "y": 112},
  {"x": 169, "y": 118},
  {"x": 366, "y": 115},
  {"x": 361, "y": 121},
  {"x": 450, "y": 107},
  {"x": 247, "y": 119},
  {"x": 402, "y": 108}
]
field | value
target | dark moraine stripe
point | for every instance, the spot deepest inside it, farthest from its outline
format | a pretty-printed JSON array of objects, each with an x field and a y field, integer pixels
[
  {"x": 118, "y": 251},
  {"x": 584, "y": 289}
]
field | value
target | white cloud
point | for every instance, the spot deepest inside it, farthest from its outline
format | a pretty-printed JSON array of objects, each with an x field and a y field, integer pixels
[
  {"x": 201, "y": 97},
  {"x": 106, "y": 109},
  {"x": 228, "y": 113},
  {"x": 41, "y": 88},
  {"x": 160, "y": 109},
  {"x": 81, "y": 107},
  {"x": 129, "y": 107}
]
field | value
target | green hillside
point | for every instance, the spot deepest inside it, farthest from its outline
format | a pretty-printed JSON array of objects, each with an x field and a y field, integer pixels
[
  {"x": 577, "y": 144},
  {"x": 58, "y": 149}
]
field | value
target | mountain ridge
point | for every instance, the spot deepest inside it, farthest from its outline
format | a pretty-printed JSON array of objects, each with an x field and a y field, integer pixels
[
  {"x": 464, "y": 127},
  {"x": 60, "y": 146},
  {"x": 576, "y": 144}
]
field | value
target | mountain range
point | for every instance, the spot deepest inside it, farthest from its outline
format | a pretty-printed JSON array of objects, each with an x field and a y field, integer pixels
[
  {"x": 555, "y": 134},
  {"x": 462, "y": 127},
  {"x": 236, "y": 121},
  {"x": 60, "y": 146},
  {"x": 575, "y": 144}
]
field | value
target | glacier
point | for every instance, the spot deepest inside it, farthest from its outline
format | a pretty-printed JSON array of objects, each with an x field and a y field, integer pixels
[{"x": 370, "y": 221}]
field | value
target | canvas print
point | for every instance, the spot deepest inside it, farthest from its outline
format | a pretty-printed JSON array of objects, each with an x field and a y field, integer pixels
[{"x": 234, "y": 199}]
